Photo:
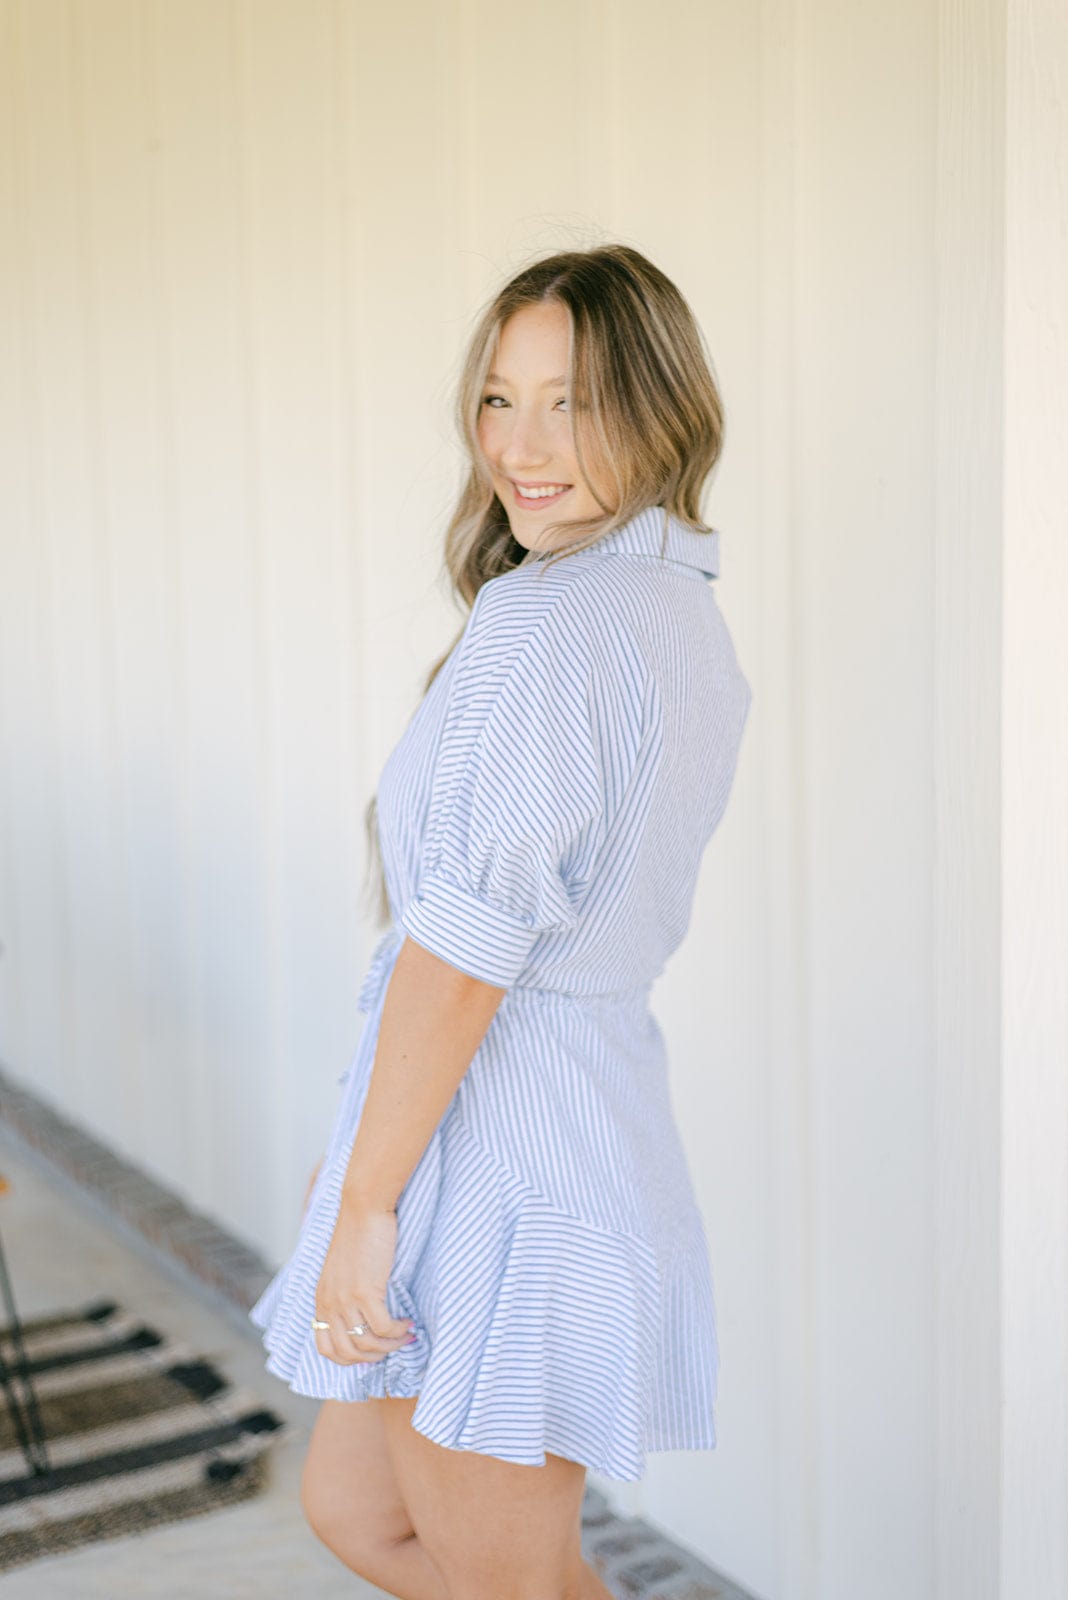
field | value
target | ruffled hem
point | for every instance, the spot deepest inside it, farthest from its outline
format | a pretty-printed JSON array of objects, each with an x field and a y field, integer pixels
[{"x": 535, "y": 1331}]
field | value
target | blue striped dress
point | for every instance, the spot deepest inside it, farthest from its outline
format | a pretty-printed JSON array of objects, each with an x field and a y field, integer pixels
[{"x": 542, "y": 822}]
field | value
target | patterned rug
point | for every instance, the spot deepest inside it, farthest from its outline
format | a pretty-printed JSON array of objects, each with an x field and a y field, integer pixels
[{"x": 138, "y": 1431}]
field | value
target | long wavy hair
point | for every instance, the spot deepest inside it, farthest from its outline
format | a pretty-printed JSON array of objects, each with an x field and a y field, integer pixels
[{"x": 646, "y": 413}]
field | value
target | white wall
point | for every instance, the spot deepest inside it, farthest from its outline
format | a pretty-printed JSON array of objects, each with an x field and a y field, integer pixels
[
  {"x": 1034, "y": 877},
  {"x": 242, "y": 245}
]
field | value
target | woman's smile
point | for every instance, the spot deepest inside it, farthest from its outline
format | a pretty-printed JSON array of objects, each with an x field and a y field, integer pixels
[{"x": 538, "y": 495}]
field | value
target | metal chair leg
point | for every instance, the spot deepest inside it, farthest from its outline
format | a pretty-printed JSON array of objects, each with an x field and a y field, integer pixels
[{"x": 22, "y": 1408}]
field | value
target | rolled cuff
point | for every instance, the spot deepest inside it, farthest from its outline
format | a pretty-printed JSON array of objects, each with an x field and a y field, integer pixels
[{"x": 481, "y": 939}]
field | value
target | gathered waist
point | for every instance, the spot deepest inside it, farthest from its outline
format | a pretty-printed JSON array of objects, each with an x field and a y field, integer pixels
[{"x": 388, "y": 948}]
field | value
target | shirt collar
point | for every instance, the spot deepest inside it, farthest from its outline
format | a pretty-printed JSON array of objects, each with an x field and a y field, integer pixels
[{"x": 645, "y": 535}]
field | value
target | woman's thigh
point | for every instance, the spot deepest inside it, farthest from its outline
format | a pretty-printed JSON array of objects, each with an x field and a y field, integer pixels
[
  {"x": 349, "y": 1490},
  {"x": 494, "y": 1529}
]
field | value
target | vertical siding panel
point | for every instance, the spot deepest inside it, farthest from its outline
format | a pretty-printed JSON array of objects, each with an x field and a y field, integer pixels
[
  {"x": 973, "y": 412},
  {"x": 203, "y": 255},
  {"x": 255, "y": 1120},
  {"x": 27, "y": 691},
  {"x": 783, "y": 1028},
  {"x": 405, "y": 200},
  {"x": 294, "y": 297},
  {"x": 14, "y": 530},
  {"x": 864, "y": 518},
  {"x": 128, "y": 426},
  {"x": 1034, "y": 864},
  {"x": 596, "y": 118},
  {"x": 530, "y": 101},
  {"x": 59, "y": 673}
]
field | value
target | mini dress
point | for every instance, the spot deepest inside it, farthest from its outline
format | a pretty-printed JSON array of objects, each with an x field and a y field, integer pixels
[{"x": 542, "y": 821}]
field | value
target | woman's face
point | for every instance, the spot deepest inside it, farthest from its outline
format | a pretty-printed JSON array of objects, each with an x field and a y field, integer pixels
[{"x": 524, "y": 427}]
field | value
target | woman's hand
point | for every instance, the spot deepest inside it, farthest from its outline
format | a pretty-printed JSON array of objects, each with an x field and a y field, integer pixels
[{"x": 352, "y": 1287}]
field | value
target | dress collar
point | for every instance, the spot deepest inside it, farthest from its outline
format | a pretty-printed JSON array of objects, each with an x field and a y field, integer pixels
[{"x": 645, "y": 535}]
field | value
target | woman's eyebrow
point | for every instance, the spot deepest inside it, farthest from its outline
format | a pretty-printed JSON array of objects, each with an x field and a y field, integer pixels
[{"x": 550, "y": 383}]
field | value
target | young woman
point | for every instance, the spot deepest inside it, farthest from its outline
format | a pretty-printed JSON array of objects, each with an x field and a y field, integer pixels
[{"x": 501, "y": 1257}]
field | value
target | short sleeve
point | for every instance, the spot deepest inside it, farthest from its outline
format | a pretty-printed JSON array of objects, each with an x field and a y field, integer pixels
[{"x": 524, "y": 782}]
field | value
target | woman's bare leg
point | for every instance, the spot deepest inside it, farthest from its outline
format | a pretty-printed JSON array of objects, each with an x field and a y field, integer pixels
[
  {"x": 493, "y": 1529},
  {"x": 352, "y": 1501}
]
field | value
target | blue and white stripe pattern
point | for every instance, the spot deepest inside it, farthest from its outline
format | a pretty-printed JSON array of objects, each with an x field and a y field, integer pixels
[{"x": 542, "y": 820}]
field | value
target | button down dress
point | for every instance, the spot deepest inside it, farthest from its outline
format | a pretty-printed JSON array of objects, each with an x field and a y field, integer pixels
[{"x": 542, "y": 822}]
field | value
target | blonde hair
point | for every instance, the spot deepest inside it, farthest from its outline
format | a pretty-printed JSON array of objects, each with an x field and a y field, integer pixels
[{"x": 647, "y": 418}]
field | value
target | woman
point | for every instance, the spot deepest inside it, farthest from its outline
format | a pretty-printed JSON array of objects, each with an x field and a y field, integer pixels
[{"x": 505, "y": 1176}]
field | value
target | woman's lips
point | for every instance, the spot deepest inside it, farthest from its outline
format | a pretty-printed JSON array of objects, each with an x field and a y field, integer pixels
[{"x": 538, "y": 500}]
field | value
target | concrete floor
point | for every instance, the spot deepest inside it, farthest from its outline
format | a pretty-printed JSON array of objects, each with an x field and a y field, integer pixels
[{"x": 58, "y": 1254}]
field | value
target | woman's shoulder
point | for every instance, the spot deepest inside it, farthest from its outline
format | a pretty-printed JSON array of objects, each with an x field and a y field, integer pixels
[{"x": 583, "y": 606}]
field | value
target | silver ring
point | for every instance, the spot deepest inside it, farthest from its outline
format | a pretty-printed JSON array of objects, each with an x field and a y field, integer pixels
[
  {"x": 361, "y": 1327},
  {"x": 317, "y": 1324}
]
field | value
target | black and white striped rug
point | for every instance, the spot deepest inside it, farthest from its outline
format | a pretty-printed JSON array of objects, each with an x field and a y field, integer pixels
[{"x": 138, "y": 1431}]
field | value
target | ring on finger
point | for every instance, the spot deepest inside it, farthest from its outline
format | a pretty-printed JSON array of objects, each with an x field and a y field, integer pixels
[{"x": 360, "y": 1328}]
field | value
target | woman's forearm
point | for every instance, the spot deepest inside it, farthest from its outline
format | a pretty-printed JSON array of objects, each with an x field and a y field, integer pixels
[{"x": 434, "y": 1018}]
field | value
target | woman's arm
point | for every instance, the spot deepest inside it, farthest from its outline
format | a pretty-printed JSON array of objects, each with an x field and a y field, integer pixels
[{"x": 434, "y": 1018}]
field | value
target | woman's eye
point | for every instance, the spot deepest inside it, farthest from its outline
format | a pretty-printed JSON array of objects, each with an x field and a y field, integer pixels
[{"x": 488, "y": 398}]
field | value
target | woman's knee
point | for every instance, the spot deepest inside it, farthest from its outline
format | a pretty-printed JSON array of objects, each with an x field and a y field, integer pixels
[
  {"x": 348, "y": 1494},
  {"x": 495, "y": 1530},
  {"x": 327, "y": 1509},
  {"x": 336, "y": 1522}
]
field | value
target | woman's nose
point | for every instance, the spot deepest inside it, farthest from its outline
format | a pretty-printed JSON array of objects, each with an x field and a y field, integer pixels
[{"x": 525, "y": 446}]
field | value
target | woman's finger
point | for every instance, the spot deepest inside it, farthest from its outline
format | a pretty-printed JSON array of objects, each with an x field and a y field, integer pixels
[
  {"x": 337, "y": 1345},
  {"x": 383, "y": 1331},
  {"x": 326, "y": 1345},
  {"x": 370, "y": 1340},
  {"x": 362, "y": 1348}
]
